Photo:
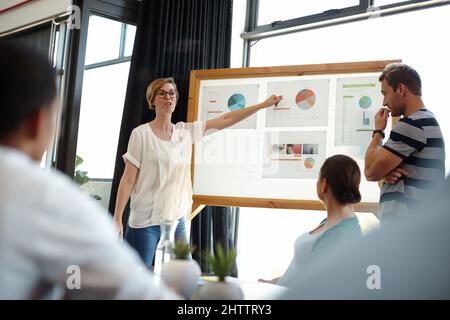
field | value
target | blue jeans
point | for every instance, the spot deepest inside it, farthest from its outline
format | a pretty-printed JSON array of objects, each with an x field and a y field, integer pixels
[{"x": 145, "y": 240}]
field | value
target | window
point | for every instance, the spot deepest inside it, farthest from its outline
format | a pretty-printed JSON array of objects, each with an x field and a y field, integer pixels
[
  {"x": 267, "y": 253},
  {"x": 129, "y": 39},
  {"x": 107, "y": 63},
  {"x": 379, "y": 3},
  {"x": 374, "y": 39},
  {"x": 271, "y": 244},
  {"x": 270, "y": 11},
  {"x": 273, "y": 234},
  {"x": 103, "y": 41},
  {"x": 101, "y": 113}
]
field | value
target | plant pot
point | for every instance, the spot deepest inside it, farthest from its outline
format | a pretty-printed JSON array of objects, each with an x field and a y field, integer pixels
[
  {"x": 220, "y": 291},
  {"x": 182, "y": 276}
]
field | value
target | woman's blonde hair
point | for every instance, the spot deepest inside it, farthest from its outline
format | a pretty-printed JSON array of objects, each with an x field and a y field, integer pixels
[{"x": 154, "y": 87}]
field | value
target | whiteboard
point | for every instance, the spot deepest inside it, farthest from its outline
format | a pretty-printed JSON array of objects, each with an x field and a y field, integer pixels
[{"x": 273, "y": 158}]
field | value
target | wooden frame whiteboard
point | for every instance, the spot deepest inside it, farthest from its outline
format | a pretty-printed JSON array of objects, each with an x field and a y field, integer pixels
[{"x": 200, "y": 200}]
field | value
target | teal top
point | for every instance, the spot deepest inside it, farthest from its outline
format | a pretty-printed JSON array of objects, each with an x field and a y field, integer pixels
[
  {"x": 309, "y": 247},
  {"x": 347, "y": 230}
]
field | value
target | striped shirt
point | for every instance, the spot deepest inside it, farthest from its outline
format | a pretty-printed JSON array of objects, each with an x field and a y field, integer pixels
[{"x": 417, "y": 139}]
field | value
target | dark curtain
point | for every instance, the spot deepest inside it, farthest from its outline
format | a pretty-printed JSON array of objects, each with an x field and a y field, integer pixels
[
  {"x": 211, "y": 226},
  {"x": 37, "y": 38},
  {"x": 174, "y": 37}
]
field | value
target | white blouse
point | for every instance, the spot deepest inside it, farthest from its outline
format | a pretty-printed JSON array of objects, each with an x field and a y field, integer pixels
[
  {"x": 50, "y": 231},
  {"x": 302, "y": 255},
  {"x": 163, "y": 188}
]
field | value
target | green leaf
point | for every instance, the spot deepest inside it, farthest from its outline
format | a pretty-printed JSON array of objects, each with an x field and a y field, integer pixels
[
  {"x": 78, "y": 161},
  {"x": 182, "y": 250},
  {"x": 222, "y": 263},
  {"x": 81, "y": 177}
]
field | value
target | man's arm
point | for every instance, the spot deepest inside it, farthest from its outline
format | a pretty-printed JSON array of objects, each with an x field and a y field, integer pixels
[
  {"x": 379, "y": 161},
  {"x": 395, "y": 175}
]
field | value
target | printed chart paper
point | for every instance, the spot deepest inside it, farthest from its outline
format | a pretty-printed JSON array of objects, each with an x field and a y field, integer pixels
[
  {"x": 218, "y": 100},
  {"x": 357, "y": 101},
  {"x": 305, "y": 103},
  {"x": 293, "y": 154}
]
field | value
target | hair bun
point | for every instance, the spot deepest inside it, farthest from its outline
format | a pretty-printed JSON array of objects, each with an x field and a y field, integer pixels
[{"x": 351, "y": 196}]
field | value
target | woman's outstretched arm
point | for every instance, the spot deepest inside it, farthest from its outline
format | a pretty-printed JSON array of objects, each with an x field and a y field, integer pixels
[{"x": 236, "y": 116}]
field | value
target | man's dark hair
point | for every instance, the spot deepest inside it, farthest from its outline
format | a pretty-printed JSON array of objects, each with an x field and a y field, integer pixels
[
  {"x": 396, "y": 73},
  {"x": 343, "y": 176},
  {"x": 27, "y": 83}
]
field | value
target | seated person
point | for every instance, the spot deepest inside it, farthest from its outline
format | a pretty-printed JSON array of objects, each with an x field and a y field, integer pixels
[
  {"x": 403, "y": 259},
  {"x": 53, "y": 237},
  {"x": 338, "y": 189}
]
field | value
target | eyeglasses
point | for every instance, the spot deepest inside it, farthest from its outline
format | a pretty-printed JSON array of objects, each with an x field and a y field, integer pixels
[{"x": 163, "y": 93}]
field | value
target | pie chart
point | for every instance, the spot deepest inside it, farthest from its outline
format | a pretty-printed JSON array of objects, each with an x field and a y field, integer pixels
[
  {"x": 365, "y": 102},
  {"x": 309, "y": 163},
  {"x": 236, "y": 102},
  {"x": 305, "y": 99}
]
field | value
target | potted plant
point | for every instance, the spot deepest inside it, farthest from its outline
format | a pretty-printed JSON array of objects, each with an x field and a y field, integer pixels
[
  {"x": 81, "y": 176},
  {"x": 221, "y": 264},
  {"x": 181, "y": 273}
]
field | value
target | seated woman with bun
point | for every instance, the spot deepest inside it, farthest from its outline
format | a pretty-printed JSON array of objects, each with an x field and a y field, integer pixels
[{"x": 338, "y": 189}]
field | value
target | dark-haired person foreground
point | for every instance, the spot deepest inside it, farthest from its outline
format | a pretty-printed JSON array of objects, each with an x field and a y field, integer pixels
[
  {"x": 412, "y": 161},
  {"x": 54, "y": 240},
  {"x": 338, "y": 189}
]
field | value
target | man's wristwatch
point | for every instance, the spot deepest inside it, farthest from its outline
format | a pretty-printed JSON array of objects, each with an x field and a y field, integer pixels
[{"x": 381, "y": 132}]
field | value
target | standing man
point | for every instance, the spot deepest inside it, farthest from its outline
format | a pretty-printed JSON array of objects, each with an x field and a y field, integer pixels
[{"x": 412, "y": 161}]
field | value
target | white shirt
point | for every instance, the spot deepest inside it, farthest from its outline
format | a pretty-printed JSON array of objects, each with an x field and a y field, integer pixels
[
  {"x": 163, "y": 188},
  {"x": 302, "y": 255},
  {"x": 47, "y": 225}
]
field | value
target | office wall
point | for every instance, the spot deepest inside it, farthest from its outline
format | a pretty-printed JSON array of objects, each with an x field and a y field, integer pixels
[{"x": 30, "y": 12}]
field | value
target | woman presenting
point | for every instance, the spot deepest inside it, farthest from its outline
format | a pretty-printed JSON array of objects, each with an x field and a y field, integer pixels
[{"x": 157, "y": 172}]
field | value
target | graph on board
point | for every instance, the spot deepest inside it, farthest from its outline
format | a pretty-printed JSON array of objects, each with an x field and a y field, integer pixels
[
  {"x": 365, "y": 119},
  {"x": 309, "y": 163},
  {"x": 357, "y": 100},
  {"x": 293, "y": 154},
  {"x": 365, "y": 102},
  {"x": 236, "y": 102},
  {"x": 305, "y": 99},
  {"x": 219, "y": 100},
  {"x": 305, "y": 103}
]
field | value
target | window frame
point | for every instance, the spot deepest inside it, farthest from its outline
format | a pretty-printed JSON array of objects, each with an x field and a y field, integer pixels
[
  {"x": 365, "y": 10},
  {"x": 282, "y": 27},
  {"x": 125, "y": 11},
  {"x": 121, "y": 58}
]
